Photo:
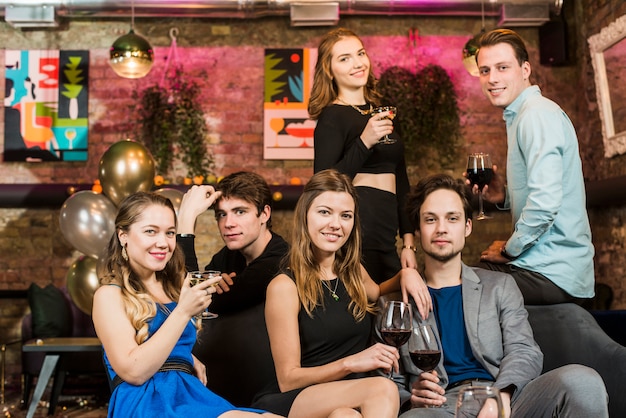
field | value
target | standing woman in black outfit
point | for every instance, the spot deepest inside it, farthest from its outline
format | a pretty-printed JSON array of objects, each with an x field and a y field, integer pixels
[{"x": 346, "y": 139}]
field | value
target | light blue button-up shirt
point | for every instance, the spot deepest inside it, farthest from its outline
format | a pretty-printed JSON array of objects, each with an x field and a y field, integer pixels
[{"x": 546, "y": 194}]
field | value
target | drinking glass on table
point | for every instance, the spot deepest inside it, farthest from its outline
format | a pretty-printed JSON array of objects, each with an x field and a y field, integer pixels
[
  {"x": 200, "y": 276},
  {"x": 424, "y": 348},
  {"x": 396, "y": 324},
  {"x": 480, "y": 173},
  {"x": 392, "y": 114},
  {"x": 479, "y": 401}
]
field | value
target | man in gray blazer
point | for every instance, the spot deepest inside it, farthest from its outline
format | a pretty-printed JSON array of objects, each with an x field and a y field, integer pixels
[{"x": 483, "y": 325}]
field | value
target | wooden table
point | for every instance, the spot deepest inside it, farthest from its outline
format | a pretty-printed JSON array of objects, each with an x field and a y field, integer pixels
[{"x": 54, "y": 348}]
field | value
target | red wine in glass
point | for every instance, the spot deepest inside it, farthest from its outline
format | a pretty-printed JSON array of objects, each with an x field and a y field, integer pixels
[
  {"x": 395, "y": 336},
  {"x": 480, "y": 176},
  {"x": 425, "y": 360},
  {"x": 396, "y": 323},
  {"x": 424, "y": 348},
  {"x": 480, "y": 173}
]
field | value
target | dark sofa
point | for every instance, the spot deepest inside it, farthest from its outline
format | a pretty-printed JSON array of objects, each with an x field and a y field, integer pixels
[
  {"x": 568, "y": 334},
  {"x": 235, "y": 349}
]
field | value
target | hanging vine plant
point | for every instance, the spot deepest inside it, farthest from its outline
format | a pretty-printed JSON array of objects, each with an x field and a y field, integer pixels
[
  {"x": 171, "y": 124},
  {"x": 428, "y": 114}
]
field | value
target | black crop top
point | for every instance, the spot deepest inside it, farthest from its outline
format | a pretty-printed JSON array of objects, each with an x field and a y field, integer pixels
[{"x": 338, "y": 145}]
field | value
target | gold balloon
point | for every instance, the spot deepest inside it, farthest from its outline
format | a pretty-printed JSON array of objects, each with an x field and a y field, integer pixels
[
  {"x": 175, "y": 196},
  {"x": 125, "y": 168},
  {"x": 82, "y": 282}
]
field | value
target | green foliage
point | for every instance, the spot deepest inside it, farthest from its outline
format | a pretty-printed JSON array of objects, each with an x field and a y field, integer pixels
[
  {"x": 171, "y": 124},
  {"x": 428, "y": 115}
]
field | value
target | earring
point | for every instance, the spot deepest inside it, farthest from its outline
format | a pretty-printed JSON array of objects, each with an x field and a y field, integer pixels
[{"x": 124, "y": 253}]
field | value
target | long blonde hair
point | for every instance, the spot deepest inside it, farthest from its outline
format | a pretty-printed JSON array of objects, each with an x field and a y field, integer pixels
[
  {"x": 324, "y": 90},
  {"x": 347, "y": 263},
  {"x": 139, "y": 304}
]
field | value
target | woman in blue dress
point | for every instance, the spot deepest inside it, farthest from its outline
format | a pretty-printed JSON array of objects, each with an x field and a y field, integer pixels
[{"x": 145, "y": 312}]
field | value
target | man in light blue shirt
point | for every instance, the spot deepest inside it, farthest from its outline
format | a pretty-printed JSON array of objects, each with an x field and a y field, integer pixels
[{"x": 550, "y": 253}]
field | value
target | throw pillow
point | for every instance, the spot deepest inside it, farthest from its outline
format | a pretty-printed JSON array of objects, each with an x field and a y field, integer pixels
[{"x": 50, "y": 312}]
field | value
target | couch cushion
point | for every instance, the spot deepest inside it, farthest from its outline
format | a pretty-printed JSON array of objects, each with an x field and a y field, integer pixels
[
  {"x": 51, "y": 315},
  {"x": 569, "y": 334}
]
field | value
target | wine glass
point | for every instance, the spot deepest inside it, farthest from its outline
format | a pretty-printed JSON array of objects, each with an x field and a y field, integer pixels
[
  {"x": 392, "y": 114},
  {"x": 480, "y": 173},
  {"x": 200, "y": 276},
  {"x": 396, "y": 324},
  {"x": 424, "y": 348},
  {"x": 479, "y": 401}
]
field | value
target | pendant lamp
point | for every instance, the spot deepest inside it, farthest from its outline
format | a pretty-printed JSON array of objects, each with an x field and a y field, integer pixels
[
  {"x": 470, "y": 50},
  {"x": 131, "y": 56}
]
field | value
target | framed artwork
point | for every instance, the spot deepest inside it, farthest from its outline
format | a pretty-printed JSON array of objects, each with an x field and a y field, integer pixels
[
  {"x": 287, "y": 129},
  {"x": 46, "y": 105}
]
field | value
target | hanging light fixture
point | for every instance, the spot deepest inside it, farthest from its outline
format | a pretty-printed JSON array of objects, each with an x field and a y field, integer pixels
[
  {"x": 131, "y": 56},
  {"x": 471, "y": 48}
]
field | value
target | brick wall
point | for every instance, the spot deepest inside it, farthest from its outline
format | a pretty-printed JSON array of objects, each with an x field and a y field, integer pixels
[{"x": 33, "y": 249}]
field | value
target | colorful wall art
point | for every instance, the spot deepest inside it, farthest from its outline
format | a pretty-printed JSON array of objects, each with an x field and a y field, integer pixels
[
  {"x": 287, "y": 129},
  {"x": 46, "y": 105}
]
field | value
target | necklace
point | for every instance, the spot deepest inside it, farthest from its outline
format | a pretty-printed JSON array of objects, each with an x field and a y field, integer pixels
[
  {"x": 363, "y": 112},
  {"x": 333, "y": 293}
]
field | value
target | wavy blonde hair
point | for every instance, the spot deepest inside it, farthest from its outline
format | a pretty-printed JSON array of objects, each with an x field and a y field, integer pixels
[
  {"x": 347, "y": 264},
  {"x": 324, "y": 90},
  {"x": 139, "y": 304}
]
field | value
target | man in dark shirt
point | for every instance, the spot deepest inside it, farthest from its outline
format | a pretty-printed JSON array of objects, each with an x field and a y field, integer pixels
[
  {"x": 252, "y": 253},
  {"x": 234, "y": 347}
]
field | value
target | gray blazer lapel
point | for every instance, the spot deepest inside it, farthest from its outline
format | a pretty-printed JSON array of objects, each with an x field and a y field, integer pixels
[{"x": 472, "y": 289}]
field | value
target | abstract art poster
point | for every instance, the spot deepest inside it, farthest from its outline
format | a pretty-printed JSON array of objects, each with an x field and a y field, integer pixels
[
  {"x": 287, "y": 128},
  {"x": 46, "y": 105}
]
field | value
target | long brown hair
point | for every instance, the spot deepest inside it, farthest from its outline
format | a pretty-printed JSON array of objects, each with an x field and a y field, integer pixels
[
  {"x": 347, "y": 262},
  {"x": 140, "y": 306},
  {"x": 324, "y": 90}
]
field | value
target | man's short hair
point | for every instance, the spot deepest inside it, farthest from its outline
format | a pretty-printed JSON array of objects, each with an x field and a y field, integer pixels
[
  {"x": 507, "y": 36},
  {"x": 249, "y": 187},
  {"x": 430, "y": 184}
]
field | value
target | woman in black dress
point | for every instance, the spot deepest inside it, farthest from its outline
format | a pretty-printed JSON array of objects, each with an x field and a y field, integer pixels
[{"x": 319, "y": 314}]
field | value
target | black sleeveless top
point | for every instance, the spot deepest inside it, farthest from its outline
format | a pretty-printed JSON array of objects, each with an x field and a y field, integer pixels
[{"x": 331, "y": 334}]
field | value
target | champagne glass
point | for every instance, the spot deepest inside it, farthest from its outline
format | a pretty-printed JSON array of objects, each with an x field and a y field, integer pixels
[
  {"x": 479, "y": 401},
  {"x": 396, "y": 324},
  {"x": 199, "y": 277},
  {"x": 424, "y": 348},
  {"x": 480, "y": 173},
  {"x": 392, "y": 114}
]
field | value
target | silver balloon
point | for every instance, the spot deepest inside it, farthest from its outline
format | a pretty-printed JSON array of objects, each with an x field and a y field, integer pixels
[
  {"x": 82, "y": 282},
  {"x": 87, "y": 221},
  {"x": 125, "y": 168},
  {"x": 175, "y": 196}
]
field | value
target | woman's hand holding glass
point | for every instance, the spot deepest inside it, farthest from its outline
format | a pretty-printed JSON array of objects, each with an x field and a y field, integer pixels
[
  {"x": 204, "y": 284},
  {"x": 378, "y": 126},
  {"x": 377, "y": 356}
]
